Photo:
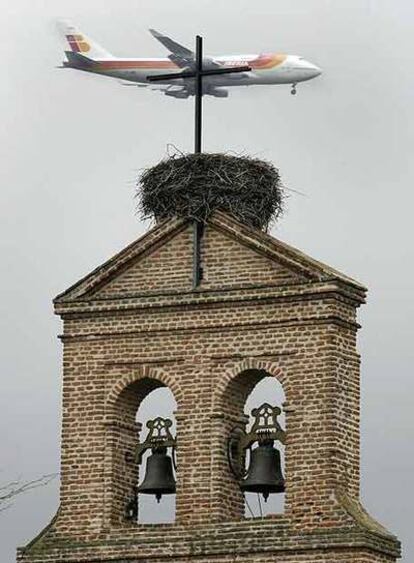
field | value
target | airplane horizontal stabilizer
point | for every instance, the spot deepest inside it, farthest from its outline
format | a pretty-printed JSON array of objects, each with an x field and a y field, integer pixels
[{"x": 76, "y": 60}]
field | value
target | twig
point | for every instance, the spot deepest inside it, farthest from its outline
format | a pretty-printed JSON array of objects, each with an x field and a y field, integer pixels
[
  {"x": 195, "y": 185},
  {"x": 14, "y": 488}
]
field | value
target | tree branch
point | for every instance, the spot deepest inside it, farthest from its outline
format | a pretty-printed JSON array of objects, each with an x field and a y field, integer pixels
[{"x": 12, "y": 489}]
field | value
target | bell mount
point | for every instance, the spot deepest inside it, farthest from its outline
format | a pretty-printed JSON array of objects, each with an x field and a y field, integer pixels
[
  {"x": 158, "y": 440},
  {"x": 265, "y": 430}
]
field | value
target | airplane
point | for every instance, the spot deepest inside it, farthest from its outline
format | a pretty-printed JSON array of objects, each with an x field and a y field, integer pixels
[{"x": 84, "y": 54}]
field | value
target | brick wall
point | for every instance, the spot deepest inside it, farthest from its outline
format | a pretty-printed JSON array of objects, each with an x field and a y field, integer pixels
[{"x": 262, "y": 309}]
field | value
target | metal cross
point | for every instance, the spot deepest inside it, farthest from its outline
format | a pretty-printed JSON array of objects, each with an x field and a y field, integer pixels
[{"x": 198, "y": 73}]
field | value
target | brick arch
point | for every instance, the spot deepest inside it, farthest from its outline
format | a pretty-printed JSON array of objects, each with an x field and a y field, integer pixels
[
  {"x": 159, "y": 375},
  {"x": 257, "y": 369}
]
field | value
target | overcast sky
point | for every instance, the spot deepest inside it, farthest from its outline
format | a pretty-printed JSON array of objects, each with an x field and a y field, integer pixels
[{"x": 72, "y": 145}]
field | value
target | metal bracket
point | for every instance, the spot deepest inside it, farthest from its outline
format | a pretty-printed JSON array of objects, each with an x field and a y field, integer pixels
[
  {"x": 198, "y": 231},
  {"x": 131, "y": 509},
  {"x": 265, "y": 427},
  {"x": 159, "y": 436}
]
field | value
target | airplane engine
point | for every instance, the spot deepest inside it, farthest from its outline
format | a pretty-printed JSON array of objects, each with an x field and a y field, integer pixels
[
  {"x": 177, "y": 94},
  {"x": 218, "y": 92}
]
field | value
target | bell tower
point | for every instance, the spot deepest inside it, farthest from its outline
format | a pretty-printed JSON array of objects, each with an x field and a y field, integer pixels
[{"x": 260, "y": 309}]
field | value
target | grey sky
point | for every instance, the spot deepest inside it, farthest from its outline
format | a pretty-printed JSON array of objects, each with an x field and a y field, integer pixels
[{"x": 72, "y": 144}]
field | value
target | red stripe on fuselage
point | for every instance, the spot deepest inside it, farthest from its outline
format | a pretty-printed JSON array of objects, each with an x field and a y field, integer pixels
[
  {"x": 138, "y": 64},
  {"x": 263, "y": 61}
]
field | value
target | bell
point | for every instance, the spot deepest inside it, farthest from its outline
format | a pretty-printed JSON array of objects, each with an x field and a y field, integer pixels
[
  {"x": 265, "y": 473},
  {"x": 159, "y": 477}
]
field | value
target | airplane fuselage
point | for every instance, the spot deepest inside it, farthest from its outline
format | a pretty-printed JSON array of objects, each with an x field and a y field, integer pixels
[
  {"x": 269, "y": 68},
  {"x": 266, "y": 68}
]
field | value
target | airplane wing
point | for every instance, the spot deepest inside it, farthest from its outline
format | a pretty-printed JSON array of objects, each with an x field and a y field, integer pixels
[
  {"x": 174, "y": 90},
  {"x": 178, "y": 91},
  {"x": 173, "y": 46},
  {"x": 185, "y": 92},
  {"x": 180, "y": 55},
  {"x": 185, "y": 58}
]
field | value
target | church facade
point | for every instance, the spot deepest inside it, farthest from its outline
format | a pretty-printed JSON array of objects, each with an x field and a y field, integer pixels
[{"x": 262, "y": 308}]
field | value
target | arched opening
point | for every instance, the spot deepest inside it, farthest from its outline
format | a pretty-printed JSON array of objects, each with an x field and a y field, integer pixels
[
  {"x": 268, "y": 390},
  {"x": 135, "y": 401},
  {"x": 249, "y": 388},
  {"x": 158, "y": 403}
]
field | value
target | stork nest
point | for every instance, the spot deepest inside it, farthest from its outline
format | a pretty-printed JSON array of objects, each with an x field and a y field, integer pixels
[{"x": 193, "y": 186}]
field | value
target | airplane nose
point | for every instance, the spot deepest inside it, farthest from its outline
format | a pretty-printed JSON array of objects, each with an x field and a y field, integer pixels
[
  {"x": 312, "y": 70},
  {"x": 317, "y": 71}
]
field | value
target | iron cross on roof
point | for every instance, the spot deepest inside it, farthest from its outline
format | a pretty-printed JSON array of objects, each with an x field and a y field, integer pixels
[{"x": 197, "y": 72}]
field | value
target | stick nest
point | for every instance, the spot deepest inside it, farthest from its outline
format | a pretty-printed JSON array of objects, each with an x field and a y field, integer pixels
[{"x": 193, "y": 186}]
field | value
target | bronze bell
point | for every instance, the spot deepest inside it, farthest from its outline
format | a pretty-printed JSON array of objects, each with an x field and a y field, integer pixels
[
  {"x": 159, "y": 477},
  {"x": 265, "y": 473}
]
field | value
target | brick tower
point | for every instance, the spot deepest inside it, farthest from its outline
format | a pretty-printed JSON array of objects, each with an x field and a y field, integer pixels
[{"x": 262, "y": 308}]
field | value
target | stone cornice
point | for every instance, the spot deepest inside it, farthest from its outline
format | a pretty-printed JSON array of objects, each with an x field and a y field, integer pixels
[
  {"x": 313, "y": 290},
  {"x": 220, "y": 328}
]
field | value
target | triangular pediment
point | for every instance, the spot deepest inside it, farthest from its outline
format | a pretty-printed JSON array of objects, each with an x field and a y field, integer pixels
[
  {"x": 281, "y": 253},
  {"x": 228, "y": 261},
  {"x": 125, "y": 262},
  {"x": 232, "y": 256}
]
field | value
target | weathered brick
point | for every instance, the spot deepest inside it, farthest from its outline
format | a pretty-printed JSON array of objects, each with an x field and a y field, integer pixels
[{"x": 262, "y": 309}]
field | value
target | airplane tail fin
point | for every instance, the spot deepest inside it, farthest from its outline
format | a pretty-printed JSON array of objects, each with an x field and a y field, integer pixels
[{"x": 77, "y": 42}]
